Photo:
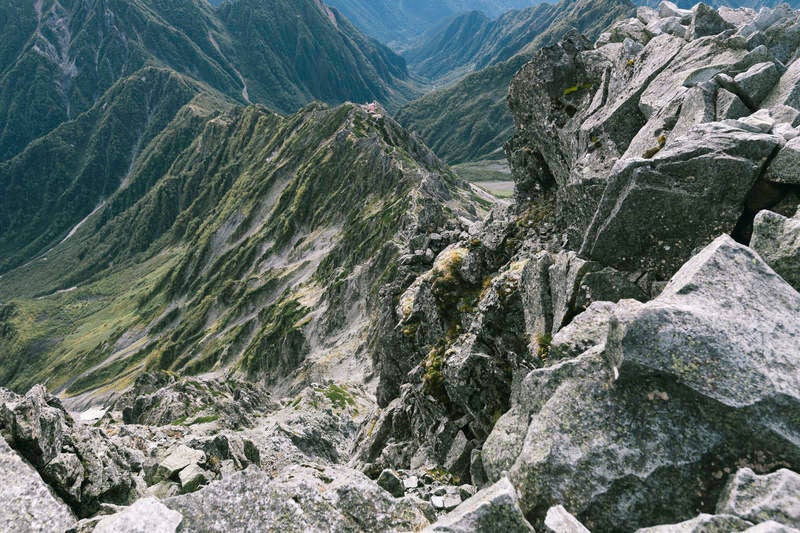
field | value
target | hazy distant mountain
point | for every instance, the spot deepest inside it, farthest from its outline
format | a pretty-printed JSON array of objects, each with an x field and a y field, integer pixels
[
  {"x": 400, "y": 22},
  {"x": 469, "y": 120}
]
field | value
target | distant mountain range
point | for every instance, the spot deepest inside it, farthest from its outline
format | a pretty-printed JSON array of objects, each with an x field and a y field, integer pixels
[
  {"x": 401, "y": 22},
  {"x": 58, "y": 58}
]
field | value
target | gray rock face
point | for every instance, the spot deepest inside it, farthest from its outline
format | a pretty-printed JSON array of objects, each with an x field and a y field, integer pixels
[
  {"x": 757, "y": 82},
  {"x": 655, "y": 213},
  {"x": 159, "y": 399},
  {"x": 301, "y": 498},
  {"x": 147, "y": 515},
  {"x": 706, "y": 21},
  {"x": 26, "y": 503},
  {"x": 558, "y": 520},
  {"x": 785, "y": 168},
  {"x": 777, "y": 239},
  {"x": 757, "y": 498},
  {"x": 702, "y": 524},
  {"x": 624, "y": 430},
  {"x": 391, "y": 483},
  {"x": 84, "y": 466},
  {"x": 495, "y": 508}
]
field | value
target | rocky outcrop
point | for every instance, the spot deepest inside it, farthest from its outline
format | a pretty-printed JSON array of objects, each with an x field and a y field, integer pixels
[
  {"x": 159, "y": 399},
  {"x": 760, "y": 498},
  {"x": 495, "y": 508},
  {"x": 301, "y": 498},
  {"x": 698, "y": 379},
  {"x": 146, "y": 515},
  {"x": 83, "y": 465},
  {"x": 777, "y": 239},
  {"x": 26, "y": 503},
  {"x": 626, "y": 136}
]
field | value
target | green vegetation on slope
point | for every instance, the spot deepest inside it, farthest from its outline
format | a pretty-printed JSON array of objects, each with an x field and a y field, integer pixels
[
  {"x": 235, "y": 249},
  {"x": 469, "y": 120},
  {"x": 57, "y": 61}
]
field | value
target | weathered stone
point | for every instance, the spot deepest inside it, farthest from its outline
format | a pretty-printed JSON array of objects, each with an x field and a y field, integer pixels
[
  {"x": 711, "y": 301},
  {"x": 655, "y": 213},
  {"x": 193, "y": 477},
  {"x": 178, "y": 459},
  {"x": 704, "y": 374},
  {"x": 391, "y": 483},
  {"x": 558, "y": 520},
  {"x": 163, "y": 490},
  {"x": 26, "y": 503},
  {"x": 785, "y": 168},
  {"x": 147, "y": 515},
  {"x": 770, "y": 526},
  {"x": 706, "y": 21},
  {"x": 495, "y": 508},
  {"x": 730, "y": 106},
  {"x": 757, "y": 82},
  {"x": 787, "y": 90},
  {"x": 757, "y": 498},
  {"x": 760, "y": 121},
  {"x": 777, "y": 240},
  {"x": 82, "y": 464},
  {"x": 446, "y": 502},
  {"x": 34, "y": 425},
  {"x": 66, "y": 471},
  {"x": 704, "y": 523},
  {"x": 667, "y": 9},
  {"x": 301, "y": 498}
]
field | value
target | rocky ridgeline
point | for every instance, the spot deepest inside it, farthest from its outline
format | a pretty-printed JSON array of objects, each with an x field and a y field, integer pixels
[{"x": 618, "y": 350}]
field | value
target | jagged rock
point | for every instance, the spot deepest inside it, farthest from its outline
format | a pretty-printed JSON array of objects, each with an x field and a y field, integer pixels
[
  {"x": 667, "y": 9},
  {"x": 786, "y": 131},
  {"x": 706, "y": 21},
  {"x": 84, "y": 466},
  {"x": 704, "y": 523},
  {"x": 446, "y": 502},
  {"x": 771, "y": 526},
  {"x": 26, "y": 503},
  {"x": 655, "y": 213},
  {"x": 163, "y": 490},
  {"x": 301, "y": 498},
  {"x": 159, "y": 399},
  {"x": 586, "y": 331},
  {"x": 712, "y": 302},
  {"x": 178, "y": 459},
  {"x": 558, "y": 520},
  {"x": 34, "y": 425},
  {"x": 760, "y": 121},
  {"x": 147, "y": 515},
  {"x": 229, "y": 447},
  {"x": 625, "y": 430},
  {"x": 785, "y": 168},
  {"x": 66, "y": 471},
  {"x": 193, "y": 477},
  {"x": 787, "y": 90},
  {"x": 757, "y": 82},
  {"x": 730, "y": 106},
  {"x": 495, "y": 508},
  {"x": 757, "y": 498},
  {"x": 777, "y": 240},
  {"x": 391, "y": 483}
]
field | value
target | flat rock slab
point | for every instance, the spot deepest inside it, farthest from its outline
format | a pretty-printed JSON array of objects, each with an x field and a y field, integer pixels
[{"x": 147, "y": 515}]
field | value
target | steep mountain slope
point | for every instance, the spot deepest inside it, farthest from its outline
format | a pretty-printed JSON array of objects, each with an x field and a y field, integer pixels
[
  {"x": 401, "y": 22},
  {"x": 258, "y": 246},
  {"x": 474, "y": 41},
  {"x": 469, "y": 120},
  {"x": 60, "y": 178},
  {"x": 59, "y": 57}
]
